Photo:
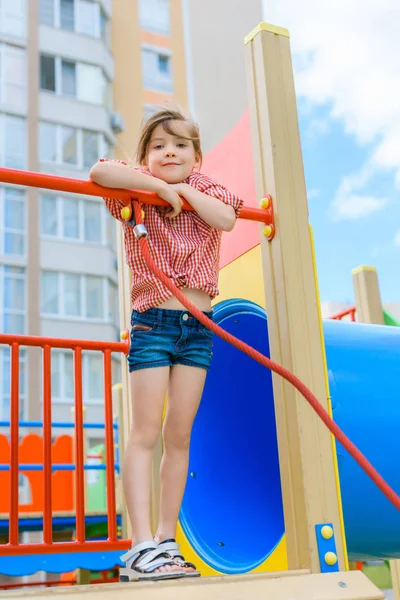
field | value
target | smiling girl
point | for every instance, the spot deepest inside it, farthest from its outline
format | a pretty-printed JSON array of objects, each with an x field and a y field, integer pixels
[{"x": 170, "y": 350}]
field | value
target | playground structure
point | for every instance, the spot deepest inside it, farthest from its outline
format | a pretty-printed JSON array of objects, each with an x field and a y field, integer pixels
[{"x": 276, "y": 495}]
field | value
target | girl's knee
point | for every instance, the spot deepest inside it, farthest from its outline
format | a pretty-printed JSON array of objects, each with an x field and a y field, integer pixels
[
  {"x": 144, "y": 437},
  {"x": 175, "y": 439}
]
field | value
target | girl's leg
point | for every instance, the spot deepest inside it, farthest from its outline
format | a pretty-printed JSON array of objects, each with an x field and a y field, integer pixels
[
  {"x": 184, "y": 393},
  {"x": 149, "y": 387}
]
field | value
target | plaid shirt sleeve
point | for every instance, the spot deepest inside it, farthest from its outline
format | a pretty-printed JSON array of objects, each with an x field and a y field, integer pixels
[
  {"x": 114, "y": 205},
  {"x": 213, "y": 188}
]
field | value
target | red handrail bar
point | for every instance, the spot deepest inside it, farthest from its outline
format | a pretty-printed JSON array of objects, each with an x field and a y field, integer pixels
[
  {"x": 66, "y": 343},
  {"x": 77, "y": 186},
  {"x": 347, "y": 311}
]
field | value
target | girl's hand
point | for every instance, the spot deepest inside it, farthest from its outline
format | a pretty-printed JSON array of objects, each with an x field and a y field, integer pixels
[
  {"x": 179, "y": 188},
  {"x": 167, "y": 193}
]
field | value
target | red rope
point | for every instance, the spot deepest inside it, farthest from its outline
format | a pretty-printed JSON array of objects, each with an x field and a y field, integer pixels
[{"x": 270, "y": 364}]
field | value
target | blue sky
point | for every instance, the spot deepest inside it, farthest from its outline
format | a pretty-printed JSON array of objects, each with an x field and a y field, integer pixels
[{"x": 347, "y": 77}]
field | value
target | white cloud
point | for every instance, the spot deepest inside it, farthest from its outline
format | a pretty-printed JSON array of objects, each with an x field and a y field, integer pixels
[
  {"x": 354, "y": 206},
  {"x": 396, "y": 240},
  {"x": 346, "y": 57}
]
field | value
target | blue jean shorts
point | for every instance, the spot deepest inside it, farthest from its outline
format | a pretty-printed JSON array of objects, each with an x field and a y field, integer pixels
[{"x": 162, "y": 338}]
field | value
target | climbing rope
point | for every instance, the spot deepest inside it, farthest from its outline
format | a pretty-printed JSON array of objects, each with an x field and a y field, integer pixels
[{"x": 141, "y": 234}]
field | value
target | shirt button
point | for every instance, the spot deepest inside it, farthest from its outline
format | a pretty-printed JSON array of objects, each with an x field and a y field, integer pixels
[{"x": 185, "y": 317}]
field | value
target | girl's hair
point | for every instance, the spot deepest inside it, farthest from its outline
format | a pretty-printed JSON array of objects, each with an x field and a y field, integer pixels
[{"x": 165, "y": 117}]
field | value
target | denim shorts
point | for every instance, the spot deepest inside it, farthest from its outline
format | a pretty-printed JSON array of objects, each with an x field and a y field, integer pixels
[{"x": 162, "y": 338}]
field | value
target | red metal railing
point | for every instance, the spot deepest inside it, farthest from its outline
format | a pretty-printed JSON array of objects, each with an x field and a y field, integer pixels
[
  {"x": 76, "y": 186},
  {"x": 40, "y": 180},
  {"x": 80, "y": 544},
  {"x": 351, "y": 312}
]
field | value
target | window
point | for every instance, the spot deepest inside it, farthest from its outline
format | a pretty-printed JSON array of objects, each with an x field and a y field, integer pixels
[
  {"x": 5, "y": 383},
  {"x": 13, "y": 76},
  {"x": 13, "y": 17},
  {"x": 12, "y": 294},
  {"x": 72, "y": 294},
  {"x": 104, "y": 27},
  {"x": 50, "y": 293},
  {"x": 12, "y": 222},
  {"x": 62, "y": 377},
  {"x": 47, "y": 73},
  {"x": 154, "y": 15},
  {"x": 157, "y": 69},
  {"x": 48, "y": 142},
  {"x": 12, "y": 142},
  {"x": 90, "y": 148},
  {"x": 84, "y": 221},
  {"x": 46, "y": 12},
  {"x": 94, "y": 297},
  {"x": 70, "y": 219},
  {"x": 84, "y": 82},
  {"x": 81, "y": 297},
  {"x": 90, "y": 84},
  {"x": 81, "y": 16},
  {"x": 93, "y": 221},
  {"x": 69, "y": 146},
  {"x": 67, "y": 14},
  {"x": 88, "y": 21},
  {"x": 68, "y": 78}
]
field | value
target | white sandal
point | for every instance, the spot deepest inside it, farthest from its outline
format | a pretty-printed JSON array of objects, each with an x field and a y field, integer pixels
[
  {"x": 171, "y": 547},
  {"x": 143, "y": 559}
]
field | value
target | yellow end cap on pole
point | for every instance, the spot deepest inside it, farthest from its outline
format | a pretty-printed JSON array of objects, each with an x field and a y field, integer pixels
[
  {"x": 363, "y": 268},
  {"x": 265, "y": 27}
]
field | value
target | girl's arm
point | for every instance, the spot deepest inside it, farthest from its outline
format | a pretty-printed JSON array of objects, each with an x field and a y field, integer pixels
[
  {"x": 215, "y": 213},
  {"x": 114, "y": 174}
]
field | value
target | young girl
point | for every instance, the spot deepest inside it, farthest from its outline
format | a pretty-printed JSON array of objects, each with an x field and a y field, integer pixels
[{"x": 170, "y": 350}]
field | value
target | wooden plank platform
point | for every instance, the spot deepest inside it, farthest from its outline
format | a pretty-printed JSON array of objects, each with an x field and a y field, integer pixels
[{"x": 288, "y": 585}]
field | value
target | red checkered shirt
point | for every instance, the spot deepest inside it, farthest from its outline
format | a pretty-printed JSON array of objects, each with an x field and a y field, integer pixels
[{"x": 186, "y": 248}]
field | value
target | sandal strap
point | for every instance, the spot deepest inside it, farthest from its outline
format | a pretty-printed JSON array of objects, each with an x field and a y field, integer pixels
[
  {"x": 138, "y": 548},
  {"x": 169, "y": 546},
  {"x": 146, "y": 557},
  {"x": 172, "y": 547}
]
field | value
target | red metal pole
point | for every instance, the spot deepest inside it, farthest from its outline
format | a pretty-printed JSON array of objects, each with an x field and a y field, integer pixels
[
  {"x": 47, "y": 444},
  {"x": 14, "y": 442},
  {"x": 109, "y": 438},
  {"x": 76, "y": 186},
  {"x": 41, "y": 342},
  {"x": 79, "y": 472}
]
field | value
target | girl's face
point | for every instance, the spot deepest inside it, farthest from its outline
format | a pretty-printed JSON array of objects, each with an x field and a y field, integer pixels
[{"x": 170, "y": 157}]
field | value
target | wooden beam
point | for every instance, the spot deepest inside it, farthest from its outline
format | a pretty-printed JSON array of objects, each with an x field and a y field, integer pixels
[
  {"x": 309, "y": 475},
  {"x": 368, "y": 298},
  {"x": 352, "y": 585}
]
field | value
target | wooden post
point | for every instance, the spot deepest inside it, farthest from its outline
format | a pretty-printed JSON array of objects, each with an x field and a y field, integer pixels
[
  {"x": 368, "y": 298},
  {"x": 310, "y": 486},
  {"x": 369, "y": 309}
]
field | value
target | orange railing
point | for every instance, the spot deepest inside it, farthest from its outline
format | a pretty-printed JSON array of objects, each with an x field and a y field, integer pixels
[
  {"x": 64, "y": 184},
  {"x": 39, "y": 180},
  {"x": 351, "y": 312},
  {"x": 80, "y": 544}
]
